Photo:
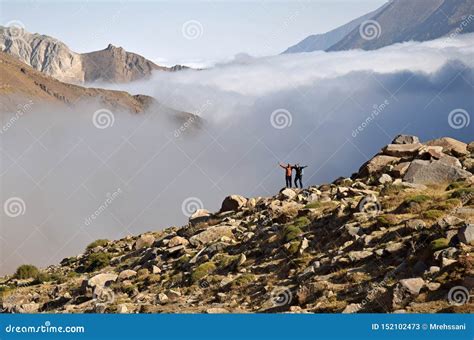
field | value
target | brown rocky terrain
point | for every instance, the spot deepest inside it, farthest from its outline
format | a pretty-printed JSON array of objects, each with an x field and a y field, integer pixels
[
  {"x": 397, "y": 236},
  {"x": 56, "y": 59}
]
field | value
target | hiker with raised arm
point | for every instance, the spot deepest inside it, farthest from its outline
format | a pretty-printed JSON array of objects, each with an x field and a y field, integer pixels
[
  {"x": 299, "y": 174},
  {"x": 288, "y": 171}
]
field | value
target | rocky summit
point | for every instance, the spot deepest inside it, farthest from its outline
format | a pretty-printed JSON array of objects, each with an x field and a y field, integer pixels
[{"x": 397, "y": 236}]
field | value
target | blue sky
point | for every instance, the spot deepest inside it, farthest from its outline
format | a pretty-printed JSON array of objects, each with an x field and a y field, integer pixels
[{"x": 155, "y": 28}]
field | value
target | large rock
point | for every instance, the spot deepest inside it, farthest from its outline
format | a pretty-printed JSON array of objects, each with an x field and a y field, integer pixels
[
  {"x": 400, "y": 169},
  {"x": 358, "y": 255},
  {"x": 177, "y": 241},
  {"x": 468, "y": 163},
  {"x": 430, "y": 172},
  {"x": 200, "y": 215},
  {"x": 126, "y": 274},
  {"x": 211, "y": 235},
  {"x": 450, "y": 146},
  {"x": 101, "y": 280},
  {"x": 233, "y": 203},
  {"x": 405, "y": 291},
  {"x": 402, "y": 150},
  {"x": 406, "y": 139},
  {"x": 376, "y": 164},
  {"x": 287, "y": 194},
  {"x": 470, "y": 148},
  {"x": 466, "y": 234},
  {"x": 144, "y": 241}
]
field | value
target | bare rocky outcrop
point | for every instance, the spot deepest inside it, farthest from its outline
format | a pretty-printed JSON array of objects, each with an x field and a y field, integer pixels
[
  {"x": 54, "y": 58},
  {"x": 358, "y": 244}
]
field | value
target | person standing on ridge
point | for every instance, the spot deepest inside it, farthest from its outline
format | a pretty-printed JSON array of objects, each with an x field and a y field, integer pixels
[
  {"x": 299, "y": 174},
  {"x": 288, "y": 171}
]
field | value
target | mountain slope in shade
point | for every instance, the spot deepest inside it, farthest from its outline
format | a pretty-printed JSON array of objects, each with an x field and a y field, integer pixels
[
  {"x": 421, "y": 20},
  {"x": 54, "y": 58},
  {"x": 321, "y": 42},
  {"x": 22, "y": 84}
]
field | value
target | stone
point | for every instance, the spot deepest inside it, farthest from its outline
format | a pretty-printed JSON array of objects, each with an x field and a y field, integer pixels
[
  {"x": 162, "y": 298},
  {"x": 415, "y": 224},
  {"x": 406, "y": 139},
  {"x": 155, "y": 270},
  {"x": 122, "y": 309},
  {"x": 216, "y": 310},
  {"x": 144, "y": 241},
  {"x": 433, "y": 172},
  {"x": 384, "y": 179},
  {"x": 394, "y": 247},
  {"x": 434, "y": 269},
  {"x": 466, "y": 234},
  {"x": 200, "y": 215},
  {"x": 428, "y": 152},
  {"x": 126, "y": 274},
  {"x": 405, "y": 291},
  {"x": 233, "y": 203},
  {"x": 358, "y": 255},
  {"x": 177, "y": 241},
  {"x": 470, "y": 148},
  {"x": 400, "y": 169},
  {"x": 450, "y": 160},
  {"x": 401, "y": 150},
  {"x": 101, "y": 280},
  {"x": 376, "y": 164},
  {"x": 211, "y": 234},
  {"x": 29, "y": 308},
  {"x": 287, "y": 194},
  {"x": 352, "y": 308},
  {"x": 251, "y": 203},
  {"x": 450, "y": 146},
  {"x": 468, "y": 163}
]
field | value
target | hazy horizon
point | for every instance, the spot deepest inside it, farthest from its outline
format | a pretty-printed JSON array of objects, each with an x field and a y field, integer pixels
[{"x": 219, "y": 30}]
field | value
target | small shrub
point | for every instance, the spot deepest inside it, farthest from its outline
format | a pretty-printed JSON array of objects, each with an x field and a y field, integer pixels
[
  {"x": 26, "y": 271},
  {"x": 439, "y": 244},
  {"x": 243, "y": 280},
  {"x": 391, "y": 189},
  {"x": 202, "y": 271},
  {"x": 301, "y": 222},
  {"x": 456, "y": 185},
  {"x": 313, "y": 205},
  {"x": 291, "y": 232},
  {"x": 433, "y": 214},
  {"x": 97, "y": 243},
  {"x": 97, "y": 261},
  {"x": 463, "y": 193},
  {"x": 416, "y": 199},
  {"x": 294, "y": 247},
  {"x": 449, "y": 204},
  {"x": 387, "y": 220},
  {"x": 224, "y": 260}
]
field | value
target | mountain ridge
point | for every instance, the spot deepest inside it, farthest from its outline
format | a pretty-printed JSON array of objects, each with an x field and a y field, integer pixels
[{"x": 53, "y": 57}]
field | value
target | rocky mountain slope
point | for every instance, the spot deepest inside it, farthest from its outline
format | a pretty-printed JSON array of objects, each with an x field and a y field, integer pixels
[
  {"x": 397, "y": 236},
  {"x": 22, "y": 83},
  {"x": 396, "y": 21},
  {"x": 54, "y": 58}
]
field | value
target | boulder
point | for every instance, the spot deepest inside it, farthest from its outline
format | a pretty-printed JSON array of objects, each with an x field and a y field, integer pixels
[
  {"x": 468, "y": 163},
  {"x": 359, "y": 255},
  {"x": 126, "y": 274},
  {"x": 233, "y": 203},
  {"x": 200, "y": 215},
  {"x": 400, "y": 169},
  {"x": 211, "y": 234},
  {"x": 450, "y": 160},
  {"x": 450, "y": 146},
  {"x": 466, "y": 234},
  {"x": 401, "y": 150},
  {"x": 287, "y": 194},
  {"x": 101, "y": 280},
  {"x": 385, "y": 179},
  {"x": 177, "y": 241},
  {"x": 470, "y": 148},
  {"x": 406, "y": 139},
  {"x": 432, "y": 172},
  {"x": 376, "y": 164},
  {"x": 144, "y": 241},
  {"x": 405, "y": 291}
]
